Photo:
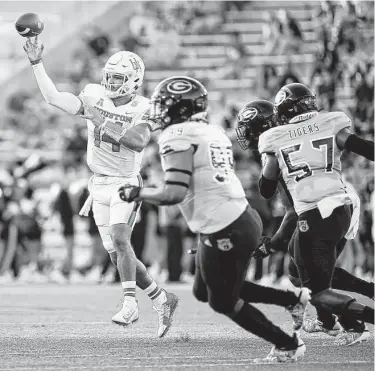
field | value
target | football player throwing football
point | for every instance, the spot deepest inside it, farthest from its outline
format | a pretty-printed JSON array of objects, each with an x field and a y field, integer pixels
[{"x": 118, "y": 131}]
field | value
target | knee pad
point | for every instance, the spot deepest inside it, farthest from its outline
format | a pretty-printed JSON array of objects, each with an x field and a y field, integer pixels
[{"x": 332, "y": 300}]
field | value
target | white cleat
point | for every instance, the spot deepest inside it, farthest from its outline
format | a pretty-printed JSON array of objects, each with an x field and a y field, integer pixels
[
  {"x": 128, "y": 313},
  {"x": 352, "y": 337},
  {"x": 6, "y": 278},
  {"x": 298, "y": 311},
  {"x": 278, "y": 355},
  {"x": 30, "y": 274},
  {"x": 55, "y": 276},
  {"x": 314, "y": 325},
  {"x": 165, "y": 313}
]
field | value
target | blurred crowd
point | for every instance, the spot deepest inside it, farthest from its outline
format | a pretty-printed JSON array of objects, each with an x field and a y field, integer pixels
[{"x": 42, "y": 193}]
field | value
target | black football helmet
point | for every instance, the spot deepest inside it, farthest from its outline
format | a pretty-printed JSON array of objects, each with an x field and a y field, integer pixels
[
  {"x": 176, "y": 99},
  {"x": 293, "y": 100},
  {"x": 254, "y": 119}
]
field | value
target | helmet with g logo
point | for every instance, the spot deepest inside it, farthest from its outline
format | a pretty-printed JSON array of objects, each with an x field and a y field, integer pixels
[
  {"x": 177, "y": 99},
  {"x": 254, "y": 118},
  {"x": 293, "y": 100}
]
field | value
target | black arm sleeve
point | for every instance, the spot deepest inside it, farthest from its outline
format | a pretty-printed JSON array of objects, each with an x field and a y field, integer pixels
[
  {"x": 360, "y": 146},
  {"x": 267, "y": 187}
]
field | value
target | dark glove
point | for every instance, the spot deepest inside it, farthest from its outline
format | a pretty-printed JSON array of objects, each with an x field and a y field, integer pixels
[
  {"x": 129, "y": 193},
  {"x": 193, "y": 251},
  {"x": 264, "y": 249}
]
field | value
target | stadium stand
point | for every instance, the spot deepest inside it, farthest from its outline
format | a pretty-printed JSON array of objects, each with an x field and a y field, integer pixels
[{"x": 240, "y": 50}]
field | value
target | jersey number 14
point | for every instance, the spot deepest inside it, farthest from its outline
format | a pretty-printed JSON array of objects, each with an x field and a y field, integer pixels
[
  {"x": 106, "y": 138},
  {"x": 303, "y": 168}
]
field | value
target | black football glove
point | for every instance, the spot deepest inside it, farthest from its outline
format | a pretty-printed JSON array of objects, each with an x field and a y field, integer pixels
[
  {"x": 264, "y": 249},
  {"x": 129, "y": 193},
  {"x": 193, "y": 251}
]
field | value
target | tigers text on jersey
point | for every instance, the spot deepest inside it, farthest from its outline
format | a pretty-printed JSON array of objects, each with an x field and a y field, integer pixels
[
  {"x": 104, "y": 155},
  {"x": 308, "y": 157},
  {"x": 215, "y": 197}
]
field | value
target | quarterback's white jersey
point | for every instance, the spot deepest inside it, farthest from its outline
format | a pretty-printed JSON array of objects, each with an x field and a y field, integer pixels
[
  {"x": 104, "y": 155},
  {"x": 215, "y": 197},
  {"x": 308, "y": 157}
]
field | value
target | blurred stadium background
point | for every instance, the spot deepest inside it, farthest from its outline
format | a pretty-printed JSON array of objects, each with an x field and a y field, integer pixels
[{"x": 239, "y": 50}]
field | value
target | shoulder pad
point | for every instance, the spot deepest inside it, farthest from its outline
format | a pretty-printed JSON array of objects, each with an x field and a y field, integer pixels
[
  {"x": 90, "y": 89},
  {"x": 336, "y": 120},
  {"x": 93, "y": 91},
  {"x": 140, "y": 102},
  {"x": 173, "y": 139},
  {"x": 342, "y": 122},
  {"x": 268, "y": 140}
]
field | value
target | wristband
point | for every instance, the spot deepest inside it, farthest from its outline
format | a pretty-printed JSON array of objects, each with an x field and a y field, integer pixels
[
  {"x": 36, "y": 62},
  {"x": 113, "y": 130}
]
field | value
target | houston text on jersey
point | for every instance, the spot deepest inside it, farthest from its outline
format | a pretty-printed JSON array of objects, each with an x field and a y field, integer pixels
[{"x": 115, "y": 116}]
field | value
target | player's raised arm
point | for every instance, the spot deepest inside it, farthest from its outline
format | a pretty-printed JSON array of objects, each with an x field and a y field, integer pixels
[
  {"x": 68, "y": 102},
  {"x": 178, "y": 170},
  {"x": 345, "y": 139}
]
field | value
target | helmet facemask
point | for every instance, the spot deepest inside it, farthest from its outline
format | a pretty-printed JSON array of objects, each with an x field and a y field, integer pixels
[
  {"x": 114, "y": 90},
  {"x": 248, "y": 132},
  {"x": 159, "y": 110},
  {"x": 250, "y": 127},
  {"x": 169, "y": 111},
  {"x": 242, "y": 135}
]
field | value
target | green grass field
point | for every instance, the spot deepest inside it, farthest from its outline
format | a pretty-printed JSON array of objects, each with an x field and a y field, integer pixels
[{"x": 54, "y": 327}]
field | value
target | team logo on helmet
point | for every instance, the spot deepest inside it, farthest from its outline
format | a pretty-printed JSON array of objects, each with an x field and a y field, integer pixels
[
  {"x": 135, "y": 64},
  {"x": 179, "y": 87},
  {"x": 280, "y": 97},
  {"x": 249, "y": 114},
  {"x": 115, "y": 58}
]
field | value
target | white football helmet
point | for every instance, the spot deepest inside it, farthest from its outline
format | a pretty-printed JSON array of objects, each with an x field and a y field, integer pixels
[{"x": 126, "y": 65}]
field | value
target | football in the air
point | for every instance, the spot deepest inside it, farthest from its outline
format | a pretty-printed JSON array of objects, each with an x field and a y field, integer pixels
[{"x": 29, "y": 25}]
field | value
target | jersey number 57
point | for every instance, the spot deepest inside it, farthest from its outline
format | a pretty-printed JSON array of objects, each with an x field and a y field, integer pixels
[{"x": 303, "y": 169}]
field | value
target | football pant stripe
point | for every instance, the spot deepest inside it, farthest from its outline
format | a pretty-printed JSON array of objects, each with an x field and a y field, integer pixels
[
  {"x": 137, "y": 206},
  {"x": 173, "y": 170},
  {"x": 182, "y": 184},
  {"x": 178, "y": 176}
]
